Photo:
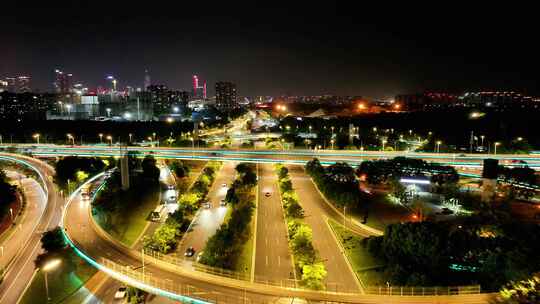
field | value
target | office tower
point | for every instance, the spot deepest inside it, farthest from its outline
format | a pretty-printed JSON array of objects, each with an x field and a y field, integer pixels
[
  {"x": 147, "y": 80},
  {"x": 226, "y": 96},
  {"x": 23, "y": 84},
  {"x": 63, "y": 83}
]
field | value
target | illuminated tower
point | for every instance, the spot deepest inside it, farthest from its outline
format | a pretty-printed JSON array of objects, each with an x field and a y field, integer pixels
[
  {"x": 195, "y": 83},
  {"x": 147, "y": 81},
  {"x": 204, "y": 90}
]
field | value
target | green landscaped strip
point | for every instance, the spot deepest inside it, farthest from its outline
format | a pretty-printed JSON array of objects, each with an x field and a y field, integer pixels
[
  {"x": 368, "y": 269},
  {"x": 128, "y": 227},
  {"x": 62, "y": 284}
]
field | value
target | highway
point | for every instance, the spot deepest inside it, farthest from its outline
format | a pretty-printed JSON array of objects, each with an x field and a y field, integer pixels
[
  {"x": 296, "y": 156},
  {"x": 272, "y": 260},
  {"x": 47, "y": 216},
  {"x": 179, "y": 282}
]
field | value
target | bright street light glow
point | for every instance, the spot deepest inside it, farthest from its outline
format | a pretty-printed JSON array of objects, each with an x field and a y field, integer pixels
[{"x": 51, "y": 265}]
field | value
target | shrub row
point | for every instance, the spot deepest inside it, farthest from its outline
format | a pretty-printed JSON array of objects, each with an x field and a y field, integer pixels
[{"x": 300, "y": 234}]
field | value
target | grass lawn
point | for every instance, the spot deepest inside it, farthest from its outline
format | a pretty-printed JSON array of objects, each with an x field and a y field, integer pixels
[
  {"x": 130, "y": 224},
  {"x": 368, "y": 269},
  {"x": 61, "y": 283},
  {"x": 382, "y": 213},
  {"x": 243, "y": 264}
]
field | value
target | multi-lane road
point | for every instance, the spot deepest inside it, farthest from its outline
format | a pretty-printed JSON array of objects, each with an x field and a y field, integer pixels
[
  {"x": 95, "y": 247},
  {"x": 43, "y": 213},
  {"x": 272, "y": 260}
]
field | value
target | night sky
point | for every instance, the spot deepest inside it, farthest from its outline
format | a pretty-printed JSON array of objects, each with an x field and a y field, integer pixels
[{"x": 295, "y": 49}]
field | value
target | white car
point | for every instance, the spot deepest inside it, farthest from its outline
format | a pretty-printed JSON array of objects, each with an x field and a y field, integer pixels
[
  {"x": 207, "y": 205},
  {"x": 120, "y": 293}
]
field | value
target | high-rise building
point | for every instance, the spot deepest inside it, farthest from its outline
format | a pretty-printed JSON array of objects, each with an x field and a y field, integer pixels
[
  {"x": 198, "y": 92},
  {"x": 23, "y": 84},
  {"x": 3, "y": 85},
  {"x": 147, "y": 80},
  {"x": 63, "y": 83},
  {"x": 11, "y": 84},
  {"x": 226, "y": 96}
]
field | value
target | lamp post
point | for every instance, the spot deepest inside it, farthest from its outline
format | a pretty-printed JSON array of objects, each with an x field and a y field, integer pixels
[
  {"x": 482, "y": 139},
  {"x": 130, "y": 137},
  {"x": 101, "y": 138},
  {"x": 70, "y": 137},
  {"x": 109, "y": 138},
  {"x": 383, "y": 143},
  {"x": 36, "y": 136},
  {"x": 46, "y": 268},
  {"x": 495, "y": 146},
  {"x": 332, "y": 142},
  {"x": 439, "y": 146},
  {"x": 108, "y": 112}
]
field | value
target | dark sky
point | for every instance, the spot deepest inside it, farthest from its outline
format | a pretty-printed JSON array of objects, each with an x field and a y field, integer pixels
[{"x": 285, "y": 48}]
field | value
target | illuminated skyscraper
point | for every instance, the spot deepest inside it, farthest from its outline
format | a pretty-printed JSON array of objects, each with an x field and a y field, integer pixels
[
  {"x": 198, "y": 92},
  {"x": 23, "y": 84},
  {"x": 63, "y": 83},
  {"x": 147, "y": 80},
  {"x": 226, "y": 96}
]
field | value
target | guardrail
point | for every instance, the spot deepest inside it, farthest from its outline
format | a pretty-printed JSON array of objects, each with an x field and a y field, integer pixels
[{"x": 422, "y": 291}]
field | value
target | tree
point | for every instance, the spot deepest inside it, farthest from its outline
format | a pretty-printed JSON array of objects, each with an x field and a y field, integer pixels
[
  {"x": 283, "y": 172},
  {"x": 294, "y": 210},
  {"x": 521, "y": 292},
  {"x": 150, "y": 170},
  {"x": 135, "y": 295},
  {"x": 249, "y": 178},
  {"x": 313, "y": 275},
  {"x": 53, "y": 240},
  {"x": 231, "y": 196}
]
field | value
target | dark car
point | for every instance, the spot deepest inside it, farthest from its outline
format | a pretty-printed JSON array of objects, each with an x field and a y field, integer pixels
[
  {"x": 189, "y": 252},
  {"x": 267, "y": 194}
]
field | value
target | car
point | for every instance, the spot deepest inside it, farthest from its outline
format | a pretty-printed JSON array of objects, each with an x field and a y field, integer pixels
[
  {"x": 170, "y": 187},
  {"x": 155, "y": 216},
  {"x": 462, "y": 155},
  {"x": 224, "y": 185},
  {"x": 189, "y": 252},
  {"x": 172, "y": 198},
  {"x": 222, "y": 203},
  {"x": 120, "y": 293},
  {"x": 199, "y": 256},
  {"x": 267, "y": 194},
  {"x": 207, "y": 205},
  {"x": 446, "y": 211}
]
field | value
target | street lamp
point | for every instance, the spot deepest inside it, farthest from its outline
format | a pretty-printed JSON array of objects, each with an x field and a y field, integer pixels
[
  {"x": 109, "y": 138},
  {"x": 70, "y": 137},
  {"x": 130, "y": 137},
  {"x": 108, "y": 112},
  {"x": 36, "y": 136},
  {"x": 46, "y": 268},
  {"x": 495, "y": 146},
  {"x": 101, "y": 137},
  {"x": 383, "y": 143},
  {"x": 482, "y": 138},
  {"x": 439, "y": 146},
  {"x": 332, "y": 142}
]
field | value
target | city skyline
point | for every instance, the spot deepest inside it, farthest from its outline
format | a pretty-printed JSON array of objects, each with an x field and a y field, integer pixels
[{"x": 271, "y": 51}]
